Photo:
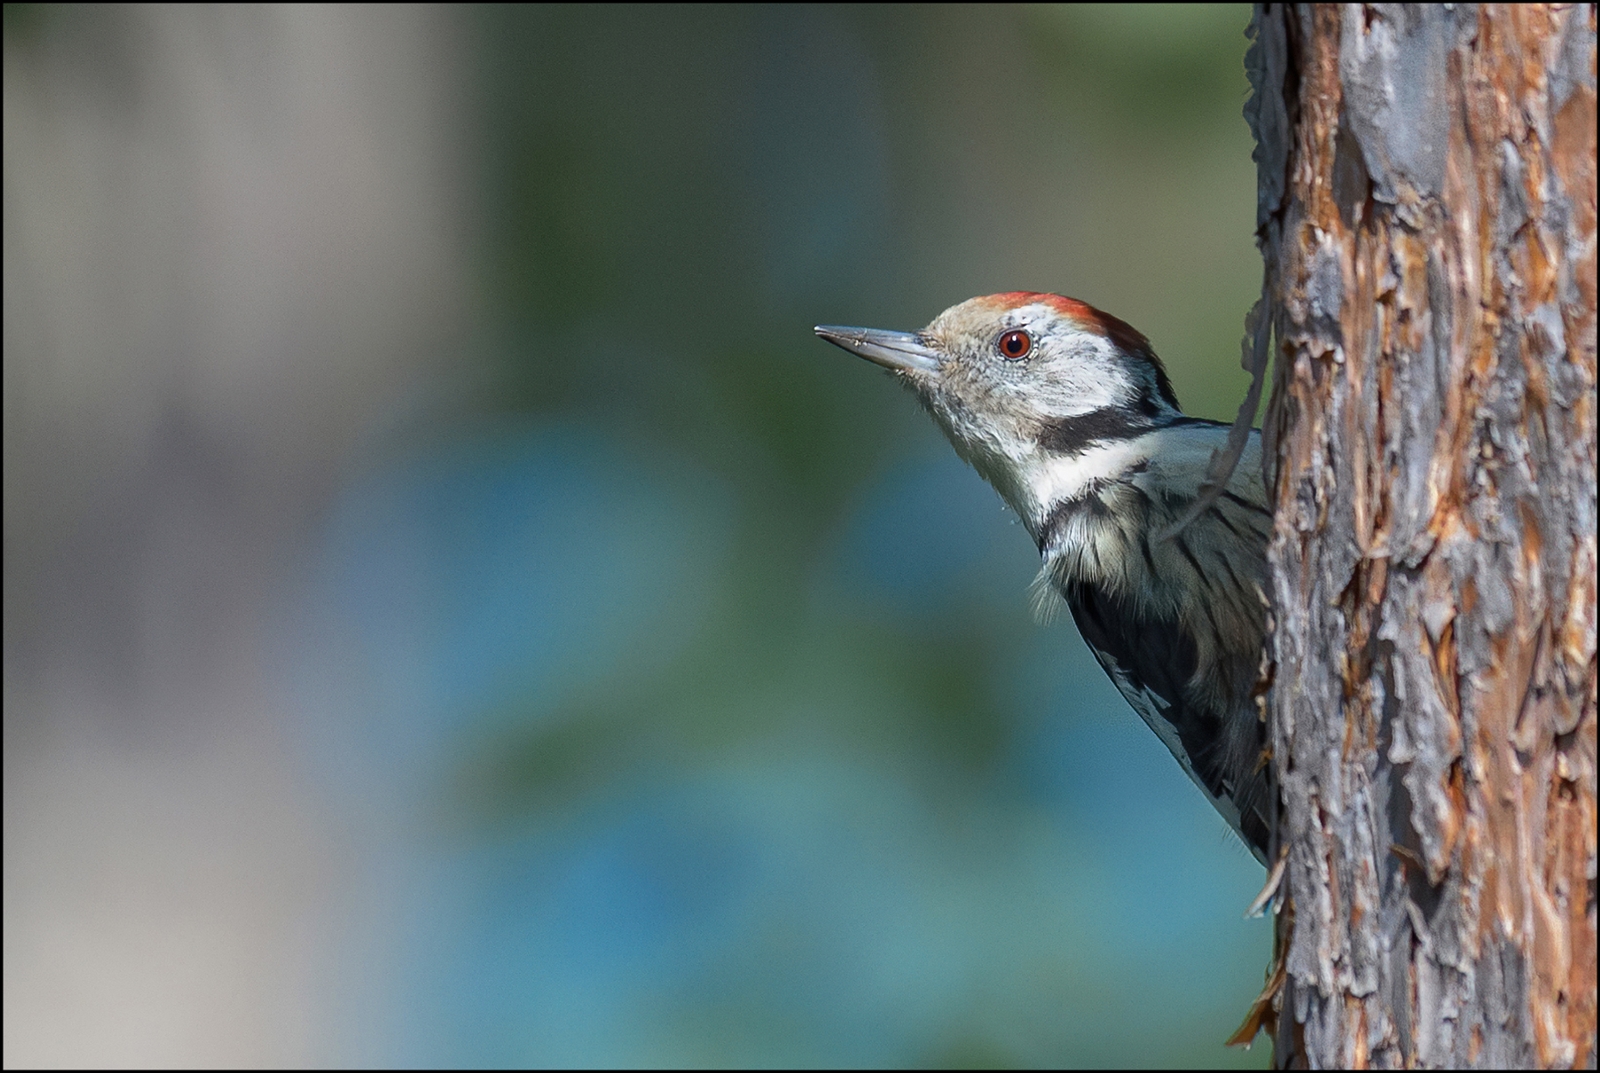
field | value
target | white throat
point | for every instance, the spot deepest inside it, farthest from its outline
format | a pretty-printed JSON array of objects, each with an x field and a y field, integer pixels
[{"x": 1052, "y": 479}]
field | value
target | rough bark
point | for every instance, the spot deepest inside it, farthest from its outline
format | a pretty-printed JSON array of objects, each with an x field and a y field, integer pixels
[{"x": 1427, "y": 215}]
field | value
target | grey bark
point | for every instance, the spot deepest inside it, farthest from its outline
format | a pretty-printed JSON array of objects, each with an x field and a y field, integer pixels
[{"x": 1427, "y": 218}]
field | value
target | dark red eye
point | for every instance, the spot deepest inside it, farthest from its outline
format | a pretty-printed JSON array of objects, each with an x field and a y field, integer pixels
[{"x": 1016, "y": 345}]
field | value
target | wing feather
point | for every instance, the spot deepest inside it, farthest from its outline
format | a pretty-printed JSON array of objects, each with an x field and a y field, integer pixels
[{"x": 1153, "y": 662}]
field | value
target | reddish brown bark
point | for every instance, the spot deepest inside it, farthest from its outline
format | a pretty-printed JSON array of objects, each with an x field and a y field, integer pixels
[{"x": 1428, "y": 221}]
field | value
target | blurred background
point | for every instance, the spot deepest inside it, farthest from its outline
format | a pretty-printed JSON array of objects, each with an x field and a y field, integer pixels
[{"x": 456, "y": 613}]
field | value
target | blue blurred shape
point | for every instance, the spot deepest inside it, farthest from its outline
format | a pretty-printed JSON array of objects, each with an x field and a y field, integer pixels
[
  {"x": 775, "y": 912},
  {"x": 628, "y": 897},
  {"x": 1083, "y": 754},
  {"x": 522, "y": 563},
  {"x": 930, "y": 535}
]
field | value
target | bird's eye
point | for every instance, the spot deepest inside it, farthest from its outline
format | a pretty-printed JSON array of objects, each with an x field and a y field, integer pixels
[{"x": 1016, "y": 345}]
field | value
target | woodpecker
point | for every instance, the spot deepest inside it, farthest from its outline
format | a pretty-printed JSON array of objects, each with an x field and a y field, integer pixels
[{"x": 1070, "y": 416}]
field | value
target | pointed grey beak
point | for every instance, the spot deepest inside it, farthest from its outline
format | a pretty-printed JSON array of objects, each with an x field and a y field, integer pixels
[{"x": 900, "y": 351}]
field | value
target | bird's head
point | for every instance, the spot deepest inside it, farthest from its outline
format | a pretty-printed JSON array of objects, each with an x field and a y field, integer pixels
[{"x": 1021, "y": 380}]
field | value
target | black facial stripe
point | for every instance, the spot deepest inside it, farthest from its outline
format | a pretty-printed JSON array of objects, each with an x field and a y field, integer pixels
[{"x": 1074, "y": 435}]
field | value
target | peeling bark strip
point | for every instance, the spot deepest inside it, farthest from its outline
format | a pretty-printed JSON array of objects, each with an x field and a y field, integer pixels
[{"x": 1427, "y": 193}]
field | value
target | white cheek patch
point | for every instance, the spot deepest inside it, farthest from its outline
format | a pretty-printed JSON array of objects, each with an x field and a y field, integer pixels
[{"x": 1076, "y": 372}]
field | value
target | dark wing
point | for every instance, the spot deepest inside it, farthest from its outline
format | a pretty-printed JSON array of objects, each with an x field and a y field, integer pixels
[{"x": 1151, "y": 662}]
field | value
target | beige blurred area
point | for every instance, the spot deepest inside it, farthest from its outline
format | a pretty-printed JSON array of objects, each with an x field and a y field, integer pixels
[{"x": 236, "y": 249}]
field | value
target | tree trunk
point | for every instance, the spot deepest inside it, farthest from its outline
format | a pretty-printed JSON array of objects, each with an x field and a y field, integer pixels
[{"x": 1427, "y": 216}]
